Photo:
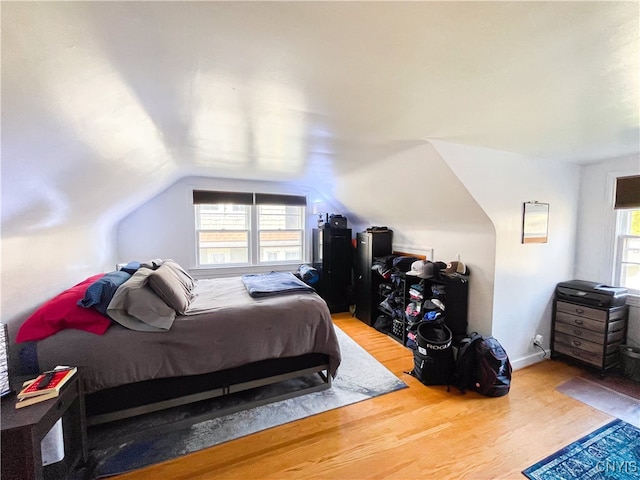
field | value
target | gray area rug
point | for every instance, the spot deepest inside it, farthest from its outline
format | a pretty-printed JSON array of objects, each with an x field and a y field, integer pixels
[
  {"x": 604, "y": 399},
  {"x": 135, "y": 443}
]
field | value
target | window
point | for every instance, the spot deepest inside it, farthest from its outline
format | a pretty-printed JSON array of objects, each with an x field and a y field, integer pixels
[
  {"x": 234, "y": 229},
  {"x": 627, "y": 202},
  {"x": 280, "y": 233},
  {"x": 222, "y": 232},
  {"x": 628, "y": 250}
]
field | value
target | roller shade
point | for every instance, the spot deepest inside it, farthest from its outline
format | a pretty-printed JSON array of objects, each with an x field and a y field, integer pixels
[
  {"x": 209, "y": 197},
  {"x": 627, "y": 192},
  {"x": 271, "y": 199}
]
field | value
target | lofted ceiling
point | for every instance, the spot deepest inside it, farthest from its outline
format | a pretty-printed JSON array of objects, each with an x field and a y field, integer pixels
[{"x": 106, "y": 100}]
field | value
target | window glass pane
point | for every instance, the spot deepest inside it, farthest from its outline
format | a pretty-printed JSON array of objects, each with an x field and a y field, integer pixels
[
  {"x": 280, "y": 245},
  {"x": 223, "y": 234},
  {"x": 223, "y": 247},
  {"x": 631, "y": 250},
  {"x": 628, "y": 254},
  {"x": 272, "y": 217},
  {"x": 630, "y": 276},
  {"x": 281, "y": 233},
  {"x": 222, "y": 217},
  {"x": 634, "y": 223}
]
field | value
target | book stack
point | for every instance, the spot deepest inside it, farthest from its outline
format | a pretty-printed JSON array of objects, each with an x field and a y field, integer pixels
[{"x": 45, "y": 386}]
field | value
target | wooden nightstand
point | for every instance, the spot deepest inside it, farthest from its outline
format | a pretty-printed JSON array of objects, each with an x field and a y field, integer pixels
[{"x": 23, "y": 430}]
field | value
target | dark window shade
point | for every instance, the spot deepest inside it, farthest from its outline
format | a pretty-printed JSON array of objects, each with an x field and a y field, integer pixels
[
  {"x": 628, "y": 192},
  {"x": 271, "y": 199},
  {"x": 209, "y": 197}
]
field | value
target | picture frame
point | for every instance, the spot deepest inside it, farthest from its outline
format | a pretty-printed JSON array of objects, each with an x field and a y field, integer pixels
[{"x": 535, "y": 222}]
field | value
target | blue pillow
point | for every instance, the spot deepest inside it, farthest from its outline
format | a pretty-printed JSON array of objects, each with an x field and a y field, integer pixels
[
  {"x": 100, "y": 292},
  {"x": 131, "y": 267}
]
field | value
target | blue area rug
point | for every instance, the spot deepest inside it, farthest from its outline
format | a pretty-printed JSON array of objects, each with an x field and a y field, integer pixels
[
  {"x": 124, "y": 446},
  {"x": 611, "y": 452}
]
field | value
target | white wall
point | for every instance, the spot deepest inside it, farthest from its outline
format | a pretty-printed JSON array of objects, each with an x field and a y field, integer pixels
[
  {"x": 164, "y": 227},
  {"x": 416, "y": 194},
  {"x": 39, "y": 265},
  {"x": 455, "y": 199},
  {"x": 596, "y": 220},
  {"x": 425, "y": 205},
  {"x": 525, "y": 274}
]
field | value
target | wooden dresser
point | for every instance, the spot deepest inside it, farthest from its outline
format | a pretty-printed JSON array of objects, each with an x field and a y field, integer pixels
[{"x": 589, "y": 334}]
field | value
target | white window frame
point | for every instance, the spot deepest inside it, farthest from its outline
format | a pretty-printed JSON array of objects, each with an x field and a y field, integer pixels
[
  {"x": 199, "y": 262},
  {"x": 254, "y": 242},
  {"x": 611, "y": 227},
  {"x": 622, "y": 234},
  {"x": 258, "y": 230}
]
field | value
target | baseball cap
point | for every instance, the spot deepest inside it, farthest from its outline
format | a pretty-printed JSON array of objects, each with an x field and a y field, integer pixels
[
  {"x": 456, "y": 267},
  {"x": 422, "y": 269}
]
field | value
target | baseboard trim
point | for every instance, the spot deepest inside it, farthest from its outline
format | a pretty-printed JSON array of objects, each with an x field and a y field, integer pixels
[{"x": 528, "y": 360}]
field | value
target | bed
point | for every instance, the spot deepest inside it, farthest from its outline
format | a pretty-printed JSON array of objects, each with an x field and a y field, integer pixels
[{"x": 225, "y": 340}]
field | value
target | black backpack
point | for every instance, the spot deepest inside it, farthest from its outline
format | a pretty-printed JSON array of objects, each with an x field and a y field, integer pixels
[
  {"x": 465, "y": 369},
  {"x": 493, "y": 369},
  {"x": 482, "y": 365}
]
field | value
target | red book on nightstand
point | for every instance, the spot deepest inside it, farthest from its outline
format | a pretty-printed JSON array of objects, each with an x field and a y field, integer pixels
[{"x": 57, "y": 378}]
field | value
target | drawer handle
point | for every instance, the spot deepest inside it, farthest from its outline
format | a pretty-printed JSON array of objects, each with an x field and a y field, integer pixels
[
  {"x": 577, "y": 332},
  {"x": 577, "y": 321},
  {"x": 577, "y": 343},
  {"x": 579, "y": 310}
]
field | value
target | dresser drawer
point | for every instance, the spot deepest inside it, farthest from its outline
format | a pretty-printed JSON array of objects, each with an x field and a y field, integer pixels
[
  {"x": 579, "y": 332},
  {"x": 581, "y": 322},
  {"x": 582, "y": 344},
  {"x": 585, "y": 356},
  {"x": 582, "y": 311},
  {"x": 612, "y": 336}
]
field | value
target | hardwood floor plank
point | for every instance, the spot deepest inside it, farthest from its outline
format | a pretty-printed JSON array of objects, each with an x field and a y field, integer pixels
[{"x": 419, "y": 432}]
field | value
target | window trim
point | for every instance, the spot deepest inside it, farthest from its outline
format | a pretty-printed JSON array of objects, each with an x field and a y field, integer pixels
[
  {"x": 257, "y": 199},
  {"x": 197, "y": 238},
  {"x": 611, "y": 225},
  {"x": 255, "y": 211},
  {"x": 621, "y": 236}
]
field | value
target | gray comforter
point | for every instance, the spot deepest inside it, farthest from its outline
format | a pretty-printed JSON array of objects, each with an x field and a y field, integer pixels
[{"x": 224, "y": 327}]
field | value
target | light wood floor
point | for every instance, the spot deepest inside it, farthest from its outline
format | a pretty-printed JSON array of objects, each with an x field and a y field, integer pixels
[{"x": 415, "y": 433}]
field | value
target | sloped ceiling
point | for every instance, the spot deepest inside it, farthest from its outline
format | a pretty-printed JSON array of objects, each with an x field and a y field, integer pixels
[{"x": 104, "y": 103}]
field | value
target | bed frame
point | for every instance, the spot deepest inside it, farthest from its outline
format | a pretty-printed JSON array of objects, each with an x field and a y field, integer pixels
[{"x": 140, "y": 398}]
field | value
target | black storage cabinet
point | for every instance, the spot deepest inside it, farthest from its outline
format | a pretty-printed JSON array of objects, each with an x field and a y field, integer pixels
[
  {"x": 367, "y": 282},
  {"x": 333, "y": 258}
]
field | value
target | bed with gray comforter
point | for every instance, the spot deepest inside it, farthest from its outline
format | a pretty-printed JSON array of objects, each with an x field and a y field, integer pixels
[{"x": 223, "y": 328}]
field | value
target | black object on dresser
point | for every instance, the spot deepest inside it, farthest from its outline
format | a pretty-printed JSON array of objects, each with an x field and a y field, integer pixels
[
  {"x": 367, "y": 282},
  {"x": 333, "y": 258},
  {"x": 589, "y": 323}
]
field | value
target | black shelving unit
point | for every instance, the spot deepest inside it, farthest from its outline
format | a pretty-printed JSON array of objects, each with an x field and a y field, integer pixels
[
  {"x": 333, "y": 258},
  {"x": 453, "y": 291},
  {"x": 455, "y": 297},
  {"x": 367, "y": 282}
]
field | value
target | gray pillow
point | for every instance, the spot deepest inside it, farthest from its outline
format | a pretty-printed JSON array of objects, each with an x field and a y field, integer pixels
[
  {"x": 137, "y": 307},
  {"x": 170, "y": 287},
  {"x": 186, "y": 279}
]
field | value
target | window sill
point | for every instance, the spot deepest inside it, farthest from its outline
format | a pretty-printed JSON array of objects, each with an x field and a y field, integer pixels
[
  {"x": 216, "y": 272},
  {"x": 633, "y": 300}
]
